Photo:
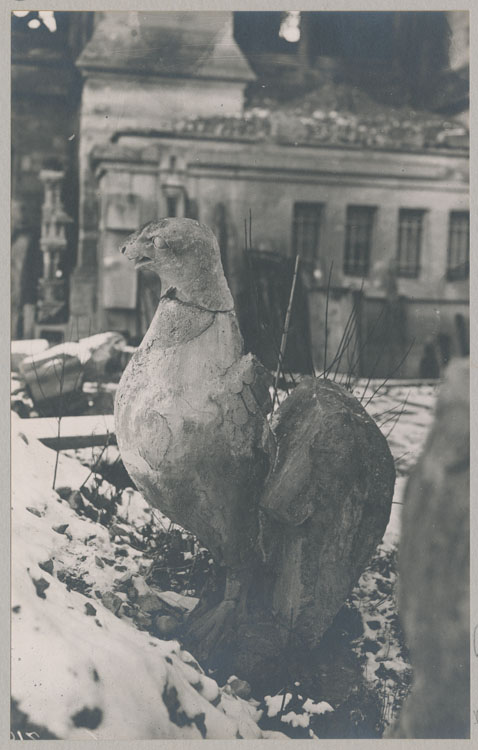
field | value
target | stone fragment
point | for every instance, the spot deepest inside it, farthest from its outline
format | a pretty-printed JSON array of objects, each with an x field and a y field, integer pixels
[
  {"x": 53, "y": 373},
  {"x": 61, "y": 370},
  {"x": 137, "y": 586},
  {"x": 75, "y": 500},
  {"x": 35, "y": 511},
  {"x": 179, "y": 602},
  {"x": 241, "y": 688},
  {"x": 116, "y": 530},
  {"x": 126, "y": 610},
  {"x": 24, "y": 348},
  {"x": 40, "y": 586},
  {"x": 101, "y": 354},
  {"x": 143, "y": 620},
  {"x": 61, "y": 528},
  {"x": 47, "y": 566},
  {"x": 149, "y": 602},
  {"x": 63, "y": 492},
  {"x": 434, "y": 566},
  {"x": 166, "y": 626},
  {"x": 112, "y": 602}
]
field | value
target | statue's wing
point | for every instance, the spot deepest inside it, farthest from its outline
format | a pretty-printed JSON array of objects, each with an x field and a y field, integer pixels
[
  {"x": 245, "y": 403},
  {"x": 327, "y": 449},
  {"x": 249, "y": 381}
]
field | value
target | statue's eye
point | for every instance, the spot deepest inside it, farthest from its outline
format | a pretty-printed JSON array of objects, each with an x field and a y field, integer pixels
[{"x": 160, "y": 243}]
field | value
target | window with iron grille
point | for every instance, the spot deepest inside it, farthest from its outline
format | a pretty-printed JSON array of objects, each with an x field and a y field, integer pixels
[
  {"x": 306, "y": 231},
  {"x": 458, "y": 260},
  {"x": 358, "y": 239},
  {"x": 410, "y": 232}
]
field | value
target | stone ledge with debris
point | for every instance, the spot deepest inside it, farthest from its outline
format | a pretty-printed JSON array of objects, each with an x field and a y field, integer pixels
[
  {"x": 311, "y": 121},
  {"x": 409, "y": 130},
  {"x": 81, "y": 667}
]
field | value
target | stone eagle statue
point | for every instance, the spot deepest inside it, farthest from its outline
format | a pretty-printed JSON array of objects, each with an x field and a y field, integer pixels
[{"x": 291, "y": 507}]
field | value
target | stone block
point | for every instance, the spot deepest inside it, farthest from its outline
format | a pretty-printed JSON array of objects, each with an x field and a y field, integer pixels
[
  {"x": 22, "y": 349},
  {"x": 61, "y": 370},
  {"x": 53, "y": 373},
  {"x": 434, "y": 567}
]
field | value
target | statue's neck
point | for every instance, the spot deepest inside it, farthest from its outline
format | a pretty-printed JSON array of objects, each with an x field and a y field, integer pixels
[
  {"x": 220, "y": 303},
  {"x": 203, "y": 288},
  {"x": 176, "y": 322}
]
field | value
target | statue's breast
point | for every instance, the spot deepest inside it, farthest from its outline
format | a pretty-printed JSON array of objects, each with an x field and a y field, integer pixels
[
  {"x": 172, "y": 387},
  {"x": 190, "y": 422}
]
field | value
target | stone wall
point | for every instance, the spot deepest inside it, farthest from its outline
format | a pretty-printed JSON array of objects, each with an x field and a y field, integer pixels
[{"x": 412, "y": 337}]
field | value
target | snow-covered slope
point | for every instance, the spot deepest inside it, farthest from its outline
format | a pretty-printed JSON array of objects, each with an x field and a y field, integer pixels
[{"x": 79, "y": 670}]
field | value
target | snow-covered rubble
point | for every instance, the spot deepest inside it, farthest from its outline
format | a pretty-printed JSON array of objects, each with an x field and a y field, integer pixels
[
  {"x": 80, "y": 671},
  {"x": 277, "y": 704}
]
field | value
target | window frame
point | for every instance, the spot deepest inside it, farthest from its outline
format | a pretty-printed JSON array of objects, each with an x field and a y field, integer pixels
[
  {"x": 309, "y": 260},
  {"x": 460, "y": 271},
  {"x": 353, "y": 265},
  {"x": 406, "y": 268}
]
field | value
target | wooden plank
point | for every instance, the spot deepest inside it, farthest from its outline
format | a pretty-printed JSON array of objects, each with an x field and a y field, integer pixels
[{"x": 75, "y": 432}]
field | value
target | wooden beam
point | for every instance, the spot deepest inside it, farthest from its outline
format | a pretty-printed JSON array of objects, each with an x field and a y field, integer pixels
[{"x": 75, "y": 432}]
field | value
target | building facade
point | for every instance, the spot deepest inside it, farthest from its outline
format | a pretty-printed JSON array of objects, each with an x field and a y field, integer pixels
[{"x": 373, "y": 198}]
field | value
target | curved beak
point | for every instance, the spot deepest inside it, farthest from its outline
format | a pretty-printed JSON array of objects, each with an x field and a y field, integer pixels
[{"x": 134, "y": 249}]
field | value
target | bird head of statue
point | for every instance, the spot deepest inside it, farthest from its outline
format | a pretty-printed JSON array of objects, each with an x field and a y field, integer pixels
[{"x": 186, "y": 257}]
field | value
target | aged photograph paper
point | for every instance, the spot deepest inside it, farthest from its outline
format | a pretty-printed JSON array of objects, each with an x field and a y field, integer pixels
[{"x": 240, "y": 373}]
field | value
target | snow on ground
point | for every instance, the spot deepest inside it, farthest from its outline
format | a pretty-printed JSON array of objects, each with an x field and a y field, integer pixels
[
  {"x": 277, "y": 705},
  {"x": 80, "y": 671},
  {"x": 404, "y": 414}
]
